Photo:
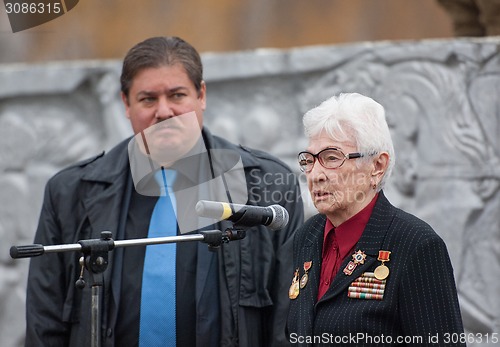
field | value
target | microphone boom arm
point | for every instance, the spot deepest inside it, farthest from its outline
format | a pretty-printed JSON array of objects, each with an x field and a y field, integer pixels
[{"x": 213, "y": 238}]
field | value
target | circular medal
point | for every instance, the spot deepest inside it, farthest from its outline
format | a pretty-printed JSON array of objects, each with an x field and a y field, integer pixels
[
  {"x": 303, "y": 280},
  {"x": 381, "y": 272},
  {"x": 294, "y": 290}
]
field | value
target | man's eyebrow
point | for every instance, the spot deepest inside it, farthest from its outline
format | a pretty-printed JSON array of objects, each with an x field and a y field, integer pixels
[
  {"x": 171, "y": 90},
  {"x": 176, "y": 89},
  {"x": 146, "y": 93}
]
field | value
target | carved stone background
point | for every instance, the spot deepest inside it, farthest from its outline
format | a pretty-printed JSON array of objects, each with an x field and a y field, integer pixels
[{"x": 442, "y": 102}]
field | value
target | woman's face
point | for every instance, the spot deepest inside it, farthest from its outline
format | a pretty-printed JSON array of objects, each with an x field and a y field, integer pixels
[{"x": 342, "y": 192}]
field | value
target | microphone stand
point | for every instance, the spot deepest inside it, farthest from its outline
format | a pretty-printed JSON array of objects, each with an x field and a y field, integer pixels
[{"x": 95, "y": 259}]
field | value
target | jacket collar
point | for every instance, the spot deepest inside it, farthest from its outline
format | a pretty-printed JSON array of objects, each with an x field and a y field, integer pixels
[
  {"x": 111, "y": 166},
  {"x": 249, "y": 156},
  {"x": 106, "y": 178}
]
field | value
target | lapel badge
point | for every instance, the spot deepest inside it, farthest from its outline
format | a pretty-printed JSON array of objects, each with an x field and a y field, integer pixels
[
  {"x": 305, "y": 277},
  {"x": 350, "y": 267},
  {"x": 294, "y": 290},
  {"x": 359, "y": 257},
  {"x": 382, "y": 271}
]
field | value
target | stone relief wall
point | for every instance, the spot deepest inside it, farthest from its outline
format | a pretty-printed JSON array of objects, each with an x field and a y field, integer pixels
[{"x": 442, "y": 104}]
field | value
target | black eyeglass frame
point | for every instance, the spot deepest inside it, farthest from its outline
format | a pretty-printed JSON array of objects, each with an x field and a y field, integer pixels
[{"x": 348, "y": 156}]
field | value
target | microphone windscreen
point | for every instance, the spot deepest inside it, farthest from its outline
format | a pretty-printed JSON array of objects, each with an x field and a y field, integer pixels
[{"x": 280, "y": 219}]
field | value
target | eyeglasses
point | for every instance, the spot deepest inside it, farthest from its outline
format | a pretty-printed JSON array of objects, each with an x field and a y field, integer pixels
[{"x": 329, "y": 158}]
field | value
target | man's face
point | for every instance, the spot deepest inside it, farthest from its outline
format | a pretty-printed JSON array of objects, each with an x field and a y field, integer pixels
[{"x": 164, "y": 106}]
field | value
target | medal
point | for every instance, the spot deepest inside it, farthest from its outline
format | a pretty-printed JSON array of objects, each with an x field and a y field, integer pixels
[
  {"x": 305, "y": 277},
  {"x": 382, "y": 271},
  {"x": 294, "y": 290},
  {"x": 359, "y": 257}
]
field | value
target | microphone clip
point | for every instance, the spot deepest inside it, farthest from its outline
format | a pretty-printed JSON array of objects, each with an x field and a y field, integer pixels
[
  {"x": 215, "y": 238},
  {"x": 233, "y": 234}
]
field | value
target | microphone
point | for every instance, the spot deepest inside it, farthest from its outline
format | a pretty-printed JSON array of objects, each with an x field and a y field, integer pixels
[{"x": 274, "y": 217}]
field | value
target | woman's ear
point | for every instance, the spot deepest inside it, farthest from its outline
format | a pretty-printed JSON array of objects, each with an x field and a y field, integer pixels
[{"x": 380, "y": 164}]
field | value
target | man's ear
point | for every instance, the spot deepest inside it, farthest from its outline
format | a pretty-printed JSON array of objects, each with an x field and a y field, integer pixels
[
  {"x": 203, "y": 95},
  {"x": 126, "y": 104}
]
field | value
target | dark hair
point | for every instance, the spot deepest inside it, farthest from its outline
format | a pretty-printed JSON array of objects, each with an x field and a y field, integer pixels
[{"x": 161, "y": 51}]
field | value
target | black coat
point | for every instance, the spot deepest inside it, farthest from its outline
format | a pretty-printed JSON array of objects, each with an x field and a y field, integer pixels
[
  {"x": 419, "y": 300},
  {"x": 91, "y": 196}
]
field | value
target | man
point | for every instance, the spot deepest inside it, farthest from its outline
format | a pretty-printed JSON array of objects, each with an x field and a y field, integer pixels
[{"x": 231, "y": 297}]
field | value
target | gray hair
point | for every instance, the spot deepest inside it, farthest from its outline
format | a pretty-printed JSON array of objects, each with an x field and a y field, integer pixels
[{"x": 353, "y": 114}]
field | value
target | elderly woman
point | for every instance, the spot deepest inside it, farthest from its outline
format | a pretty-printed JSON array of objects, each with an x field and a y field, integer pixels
[{"x": 365, "y": 272}]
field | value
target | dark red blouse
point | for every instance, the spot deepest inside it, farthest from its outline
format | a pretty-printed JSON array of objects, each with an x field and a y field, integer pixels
[{"x": 339, "y": 243}]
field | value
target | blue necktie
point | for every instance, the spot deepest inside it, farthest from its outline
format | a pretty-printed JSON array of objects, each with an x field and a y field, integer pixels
[{"x": 157, "y": 320}]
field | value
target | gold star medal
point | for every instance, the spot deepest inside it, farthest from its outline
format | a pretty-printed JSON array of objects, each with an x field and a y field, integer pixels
[
  {"x": 382, "y": 271},
  {"x": 294, "y": 290},
  {"x": 305, "y": 277}
]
